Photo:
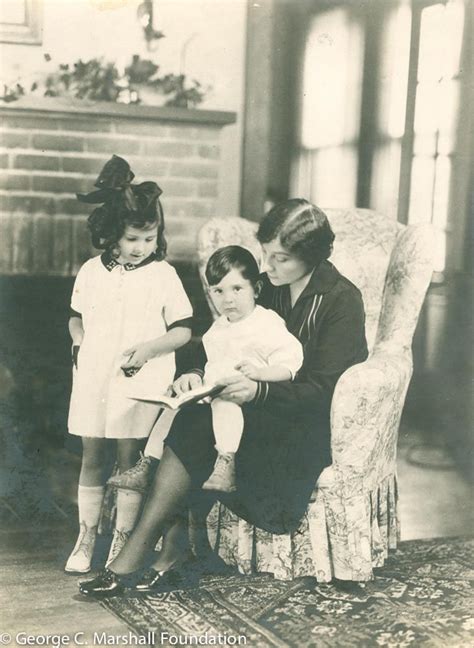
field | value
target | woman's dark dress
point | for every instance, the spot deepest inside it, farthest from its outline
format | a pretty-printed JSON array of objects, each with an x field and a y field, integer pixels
[{"x": 286, "y": 440}]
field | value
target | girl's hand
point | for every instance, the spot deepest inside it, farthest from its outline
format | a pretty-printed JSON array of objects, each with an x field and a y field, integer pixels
[
  {"x": 138, "y": 355},
  {"x": 75, "y": 354},
  {"x": 186, "y": 382},
  {"x": 248, "y": 369},
  {"x": 238, "y": 389}
]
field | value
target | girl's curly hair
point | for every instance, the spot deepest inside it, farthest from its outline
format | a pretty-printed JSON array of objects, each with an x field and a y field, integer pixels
[{"x": 123, "y": 204}]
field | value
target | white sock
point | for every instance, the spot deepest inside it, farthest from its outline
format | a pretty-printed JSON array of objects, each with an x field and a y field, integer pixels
[
  {"x": 227, "y": 424},
  {"x": 89, "y": 499},
  {"x": 128, "y": 506}
]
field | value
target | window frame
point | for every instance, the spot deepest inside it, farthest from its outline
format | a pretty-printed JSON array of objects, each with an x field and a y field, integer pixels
[
  {"x": 30, "y": 31},
  {"x": 408, "y": 138}
]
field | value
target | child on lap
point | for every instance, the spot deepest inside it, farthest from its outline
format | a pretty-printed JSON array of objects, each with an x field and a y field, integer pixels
[{"x": 245, "y": 338}]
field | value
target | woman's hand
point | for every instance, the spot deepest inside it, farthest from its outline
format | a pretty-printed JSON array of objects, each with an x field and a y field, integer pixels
[
  {"x": 137, "y": 356},
  {"x": 238, "y": 389},
  {"x": 186, "y": 382}
]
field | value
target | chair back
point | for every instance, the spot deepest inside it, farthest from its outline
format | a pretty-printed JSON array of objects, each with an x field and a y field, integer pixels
[
  {"x": 389, "y": 263},
  {"x": 408, "y": 277},
  {"x": 362, "y": 248}
]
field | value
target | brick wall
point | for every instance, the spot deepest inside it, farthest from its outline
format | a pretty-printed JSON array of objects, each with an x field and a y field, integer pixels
[{"x": 49, "y": 152}]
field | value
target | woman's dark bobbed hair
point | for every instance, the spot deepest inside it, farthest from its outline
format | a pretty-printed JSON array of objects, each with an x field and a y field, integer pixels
[
  {"x": 123, "y": 204},
  {"x": 302, "y": 229}
]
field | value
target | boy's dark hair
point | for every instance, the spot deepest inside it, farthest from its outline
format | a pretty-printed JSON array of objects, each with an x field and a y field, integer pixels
[
  {"x": 302, "y": 229},
  {"x": 228, "y": 258},
  {"x": 123, "y": 204}
]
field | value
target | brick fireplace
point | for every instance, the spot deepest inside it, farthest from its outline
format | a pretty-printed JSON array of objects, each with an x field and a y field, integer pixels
[
  {"x": 52, "y": 149},
  {"x": 49, "y": 151}
]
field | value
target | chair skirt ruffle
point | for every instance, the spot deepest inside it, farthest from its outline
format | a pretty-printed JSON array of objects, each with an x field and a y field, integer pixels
[{"x": 341, "y": 537}]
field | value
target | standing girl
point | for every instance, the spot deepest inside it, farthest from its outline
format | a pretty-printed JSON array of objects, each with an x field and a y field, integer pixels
[{"x": 129, "y": 313}]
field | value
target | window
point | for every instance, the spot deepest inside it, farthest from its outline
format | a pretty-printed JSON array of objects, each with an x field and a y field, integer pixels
[
  {"x": 21, "y": 21},
  {"x": 435, "y": 120},
  {"x": 382, "y": 113},
  {"x": 325, "y": 166},
  {"x": 391, "y": 109}
]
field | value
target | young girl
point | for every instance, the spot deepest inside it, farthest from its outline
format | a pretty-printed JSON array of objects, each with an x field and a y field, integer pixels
[{"x": 129, "y": 314}]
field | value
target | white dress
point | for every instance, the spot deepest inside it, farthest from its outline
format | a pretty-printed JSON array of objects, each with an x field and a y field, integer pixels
[{"x": 122, "y": 306}]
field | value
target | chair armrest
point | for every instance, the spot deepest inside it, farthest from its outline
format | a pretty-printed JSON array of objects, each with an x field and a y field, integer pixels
[{"x": 365, "y": 413}]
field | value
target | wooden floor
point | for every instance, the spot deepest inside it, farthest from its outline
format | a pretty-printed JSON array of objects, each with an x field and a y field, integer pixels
[
  {"x": 39, "y": 598},
  {"x": 434, "y": 502}
]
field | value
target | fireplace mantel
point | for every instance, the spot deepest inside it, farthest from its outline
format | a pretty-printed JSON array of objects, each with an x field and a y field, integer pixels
[
  {"x": 52, "y": 148},
  {"x": 71, "y": 107}
]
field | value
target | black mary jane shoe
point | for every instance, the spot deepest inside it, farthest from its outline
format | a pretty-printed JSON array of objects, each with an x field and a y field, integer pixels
[
  {"x": 105, "y": 584},
  {"x": 178, "y": 576}
]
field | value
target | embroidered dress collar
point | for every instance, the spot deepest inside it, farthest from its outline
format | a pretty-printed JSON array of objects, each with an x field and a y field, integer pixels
[{"x": 109, "y": 262}]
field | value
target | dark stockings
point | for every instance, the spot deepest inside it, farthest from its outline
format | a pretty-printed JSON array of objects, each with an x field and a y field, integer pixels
[
  {"x": 175, "y": 543},
  {"x": 166, "y": 500},
  {"x": 199, "y": 509}
]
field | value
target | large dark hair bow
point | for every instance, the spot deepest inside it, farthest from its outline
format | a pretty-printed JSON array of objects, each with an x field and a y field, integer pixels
[{"x": 115, "y": 188}]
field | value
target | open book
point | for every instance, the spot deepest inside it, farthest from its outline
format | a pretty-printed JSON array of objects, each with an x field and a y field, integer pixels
[{"x": 176, "y": 402}]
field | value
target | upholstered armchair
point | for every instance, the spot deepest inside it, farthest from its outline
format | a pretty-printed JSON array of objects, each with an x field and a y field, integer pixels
[{"x": 351, "y": 521}]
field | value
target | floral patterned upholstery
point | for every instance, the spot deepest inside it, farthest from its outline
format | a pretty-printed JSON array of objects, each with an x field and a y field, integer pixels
[{"x": 351, "y": 521}]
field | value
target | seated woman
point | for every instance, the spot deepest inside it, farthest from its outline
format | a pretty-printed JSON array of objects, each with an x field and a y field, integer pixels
[{"x": 286, "y": 439}]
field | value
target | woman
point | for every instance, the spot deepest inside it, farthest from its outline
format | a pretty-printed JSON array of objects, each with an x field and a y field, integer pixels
[{"x": 286, "y": 440}]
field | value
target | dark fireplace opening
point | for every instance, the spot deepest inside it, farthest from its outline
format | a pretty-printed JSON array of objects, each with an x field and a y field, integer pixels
[{"x": 35, "y": 383}]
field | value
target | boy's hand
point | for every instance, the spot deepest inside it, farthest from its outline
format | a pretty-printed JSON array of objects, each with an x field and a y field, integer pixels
[
  {"x": 248, "y": 369},
  {"x": 137, "y": 356}
]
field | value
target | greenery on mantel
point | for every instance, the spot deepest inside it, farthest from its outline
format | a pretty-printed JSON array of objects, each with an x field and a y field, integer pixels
[{"x": 99, "y": 80}]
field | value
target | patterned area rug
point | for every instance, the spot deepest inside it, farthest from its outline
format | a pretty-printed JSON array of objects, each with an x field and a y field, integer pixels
[{"x": 422, "y": 597}]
